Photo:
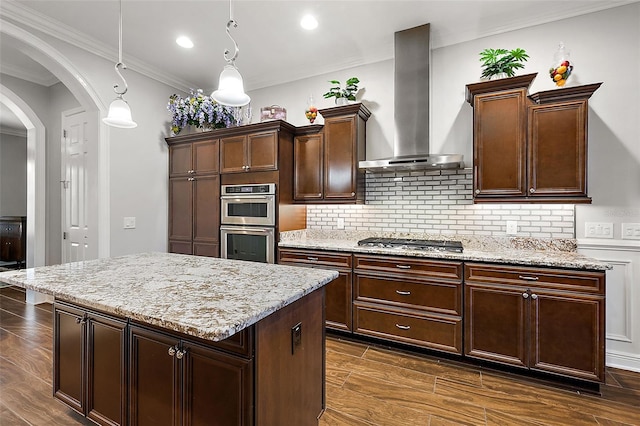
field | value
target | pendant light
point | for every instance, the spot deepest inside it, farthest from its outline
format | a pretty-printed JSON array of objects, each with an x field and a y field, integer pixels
[
  {"x": 119, "y": 111},
  {"x": 230, "y": 86}
]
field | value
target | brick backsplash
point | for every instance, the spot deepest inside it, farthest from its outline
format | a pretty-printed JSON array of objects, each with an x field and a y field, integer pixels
[{"x": 440, "y": 202}]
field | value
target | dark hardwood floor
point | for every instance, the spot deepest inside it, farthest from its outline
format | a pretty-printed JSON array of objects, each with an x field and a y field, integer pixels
[{"x": 366, "y": 385}]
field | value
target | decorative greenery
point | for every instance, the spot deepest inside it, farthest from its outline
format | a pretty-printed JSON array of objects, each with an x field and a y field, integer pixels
[
  {"x": 200, "y": 111},
  {"x": 348, "y": 92},
  {"x": 502, "y": 61}
]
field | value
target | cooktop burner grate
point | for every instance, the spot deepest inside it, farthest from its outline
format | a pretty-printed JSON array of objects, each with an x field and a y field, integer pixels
[{"x": 413, "y": 244}]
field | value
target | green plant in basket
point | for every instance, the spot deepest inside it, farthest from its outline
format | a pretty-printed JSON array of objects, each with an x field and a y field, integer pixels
[{"x": 502, "y": 61}]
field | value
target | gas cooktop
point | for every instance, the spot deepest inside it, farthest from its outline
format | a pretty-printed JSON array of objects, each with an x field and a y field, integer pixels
[{"x": 406, "y": 243}]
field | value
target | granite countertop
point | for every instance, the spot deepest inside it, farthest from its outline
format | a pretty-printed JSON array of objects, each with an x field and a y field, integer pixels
[
  {"x": 205, "y": 297},
  {"x": 559, "y": 253}
]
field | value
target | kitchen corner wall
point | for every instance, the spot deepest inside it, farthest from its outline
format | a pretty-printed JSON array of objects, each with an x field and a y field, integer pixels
[{"x": 440, "y": 202}]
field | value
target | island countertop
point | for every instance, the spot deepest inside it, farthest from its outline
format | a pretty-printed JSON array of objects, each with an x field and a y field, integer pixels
[{"x": 205, "y": 297}]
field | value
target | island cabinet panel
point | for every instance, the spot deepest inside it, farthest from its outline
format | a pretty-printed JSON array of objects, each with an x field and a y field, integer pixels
[
  {"x": 409, "y": 300},
  {"x": 176, "y": 381},
  {"x": 541, "y": 319},
  {"x": 338, "y": 293},
  {"x": 89, "y": 363},
  {"x": 194, "y": 197}
]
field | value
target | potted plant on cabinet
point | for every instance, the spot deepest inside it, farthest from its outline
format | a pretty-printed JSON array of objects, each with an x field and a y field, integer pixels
[
  {"x": 500, "y": 63},
  {"x": 343, "y": 95}
]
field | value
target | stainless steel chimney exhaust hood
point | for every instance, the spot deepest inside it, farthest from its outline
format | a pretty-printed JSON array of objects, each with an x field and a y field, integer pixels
[{"x": 411, "y": 108}]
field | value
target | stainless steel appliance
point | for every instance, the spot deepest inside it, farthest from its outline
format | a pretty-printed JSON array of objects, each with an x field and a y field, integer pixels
[
  {"x": 247, "y": 230},
  {"x": 412, "y": 244}
]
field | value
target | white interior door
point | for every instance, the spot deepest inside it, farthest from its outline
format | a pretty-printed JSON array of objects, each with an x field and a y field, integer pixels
[{"x": 78, "y": 210}]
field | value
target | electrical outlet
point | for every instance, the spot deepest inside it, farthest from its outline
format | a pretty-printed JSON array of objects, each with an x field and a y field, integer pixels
[
  {"x": 129, "y": 222},
  {"x": 340, "y": 223},
  {"x": 512, "y": 227},
  {"x": 598, "y": 229},
  {"x": 631, "y": 231}
]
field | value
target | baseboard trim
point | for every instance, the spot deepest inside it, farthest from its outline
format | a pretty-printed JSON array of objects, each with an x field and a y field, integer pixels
[{"x": 624, "y": 361}]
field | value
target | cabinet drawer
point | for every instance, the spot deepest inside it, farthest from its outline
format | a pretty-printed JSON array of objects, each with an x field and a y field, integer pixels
[
  {"x": 449, "y": 270},
  {"x": 584, "y": 281},
  {"x": 310, "y": 258},
  {"x": 415, "y": 294},
  {"x": 433, "y": 332}
]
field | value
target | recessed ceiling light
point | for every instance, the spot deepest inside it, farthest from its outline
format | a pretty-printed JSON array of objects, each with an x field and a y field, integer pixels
[
  {"x": 184, "y": 41},
  {"x": 309, "y": 22}
]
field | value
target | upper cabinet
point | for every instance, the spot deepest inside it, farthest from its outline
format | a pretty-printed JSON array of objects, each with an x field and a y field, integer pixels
[
  {"x": 254, "y": 152},
  {"x": 529, "y": 148},
  {"x": 326, "y": 162}
]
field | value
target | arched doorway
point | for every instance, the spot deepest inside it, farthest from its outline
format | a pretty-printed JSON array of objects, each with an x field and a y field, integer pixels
[{"x": 63, "y": 69}]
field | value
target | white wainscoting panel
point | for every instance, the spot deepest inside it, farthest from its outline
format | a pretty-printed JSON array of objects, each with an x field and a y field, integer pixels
[{"x": 623, "y": 299}]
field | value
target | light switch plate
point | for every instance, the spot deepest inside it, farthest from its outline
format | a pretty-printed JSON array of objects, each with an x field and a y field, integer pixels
[
  {"x": 598, "y": 230},
  {"x": 631, "y": 231},
  {"x": 340, "y": 223},
  {"x": 129, "y": 222}
]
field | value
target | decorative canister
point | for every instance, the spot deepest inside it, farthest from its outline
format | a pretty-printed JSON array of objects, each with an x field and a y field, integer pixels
[
  {"x": 562, "y": 66},
  {"x": 273, "y": 112}
]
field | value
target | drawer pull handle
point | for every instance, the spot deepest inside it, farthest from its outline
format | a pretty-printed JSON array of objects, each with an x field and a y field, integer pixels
[
  {"x": 403, "y": 327},
  {"x": 527, "y": 278},
  {"x": 403, "y": 266},
  {"x": 314, "y": 259},
  {"x": 403, "y": 293}
]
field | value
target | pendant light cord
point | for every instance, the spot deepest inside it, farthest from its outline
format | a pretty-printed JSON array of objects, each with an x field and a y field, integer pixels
[{"x": 120, "y": 64}]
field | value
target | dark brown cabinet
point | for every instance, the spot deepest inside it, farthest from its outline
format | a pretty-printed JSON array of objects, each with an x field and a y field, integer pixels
[
  {"x": 326, "y": 164},
  {"x": 13, "y": 242},
  {"x": 254, "y": 152},
  {"x": 409, "y": 300},
  {"x": 338, "y": 293},
  {"x": 89, "y": 363},
  {"x": 529, "y": 148},
  {"x": 194, "y": 197},
  {"x": 180, "y": 382},
  {"x": 541, "y": 319}
]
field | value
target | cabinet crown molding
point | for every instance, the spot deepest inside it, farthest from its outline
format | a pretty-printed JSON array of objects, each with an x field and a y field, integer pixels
[{"x": 492, "y": 86}]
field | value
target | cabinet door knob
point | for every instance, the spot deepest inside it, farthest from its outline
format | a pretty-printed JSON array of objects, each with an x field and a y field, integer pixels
[
  {"x": 403, "y": 293},
  {"x": 353, "y": 194},
  {"x": 191, "y": 172},
  {"x": 191, "y": 179},
  {"x": 172, "y": 351},
  {"x": 525, "y": 295},
  {"x": 534, "y": 296},
  {"x": 403, "y": 327},
  {"x": 477, "y": 191},
  {"x": 532, "y": 190},
  {"x": 180, "y": 353},
  {"x": 319, "y": 195}
]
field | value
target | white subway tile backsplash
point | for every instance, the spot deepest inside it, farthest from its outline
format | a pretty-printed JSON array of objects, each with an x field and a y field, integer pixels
[{"x": 440, "y": 201}]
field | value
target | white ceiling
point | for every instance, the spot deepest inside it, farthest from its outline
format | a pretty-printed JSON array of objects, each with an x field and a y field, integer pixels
[{"x": 274, "y": 49}]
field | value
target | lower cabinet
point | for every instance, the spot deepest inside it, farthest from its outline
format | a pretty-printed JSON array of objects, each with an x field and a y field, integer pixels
[
  {"x": 89, "y": 363},
  {"x": 180, "y": 382},
  {"x": 545, "y": 320},
  {"x": 338, "y": 294},
  {"x": 409, "y": 300}
]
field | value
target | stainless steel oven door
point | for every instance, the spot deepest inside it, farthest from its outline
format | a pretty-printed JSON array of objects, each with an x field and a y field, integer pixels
[
  {"x": 248, "y": 210},
  {"x": 252, "y": 243}
]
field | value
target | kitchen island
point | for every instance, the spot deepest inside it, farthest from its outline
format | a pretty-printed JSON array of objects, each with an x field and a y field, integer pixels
[{"x": 161, "y": 338}]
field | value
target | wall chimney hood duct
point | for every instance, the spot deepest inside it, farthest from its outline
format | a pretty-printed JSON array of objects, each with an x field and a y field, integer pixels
[{"x": 411, "y": 108}]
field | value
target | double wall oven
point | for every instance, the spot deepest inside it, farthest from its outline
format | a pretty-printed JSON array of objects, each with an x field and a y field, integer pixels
[{"x": 248, "y": 222}]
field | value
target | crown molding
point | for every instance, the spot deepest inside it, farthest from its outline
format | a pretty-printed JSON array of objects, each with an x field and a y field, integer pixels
[
  {"x": 23, "y": 15},
  {"x": 25, "y": 73},
  {"x": 11, "y": 131}
]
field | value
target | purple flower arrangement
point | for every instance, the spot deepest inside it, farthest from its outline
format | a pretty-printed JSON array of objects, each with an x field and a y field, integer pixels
[{"x": 200, "y": 111}]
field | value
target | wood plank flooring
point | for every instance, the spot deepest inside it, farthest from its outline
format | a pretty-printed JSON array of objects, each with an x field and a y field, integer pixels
[{"x": 366, "y": 385}]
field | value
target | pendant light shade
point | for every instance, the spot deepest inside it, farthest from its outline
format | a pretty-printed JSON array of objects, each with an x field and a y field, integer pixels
[
  {"x": 119, "y": 112},
  {"x": 231, "y": 88},
  {"x": 230, "y": 85}
]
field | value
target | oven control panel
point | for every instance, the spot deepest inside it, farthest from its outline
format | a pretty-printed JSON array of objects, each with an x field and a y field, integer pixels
[{"x": 267, "y": 188}]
